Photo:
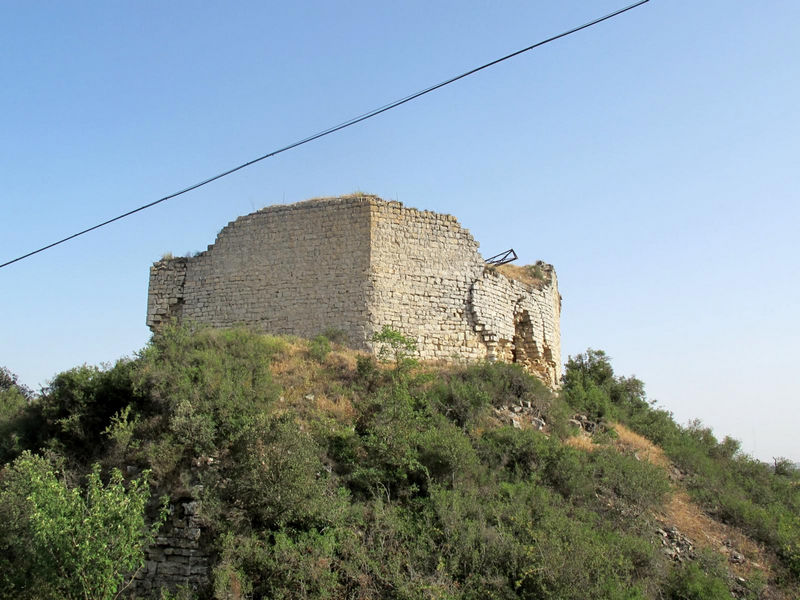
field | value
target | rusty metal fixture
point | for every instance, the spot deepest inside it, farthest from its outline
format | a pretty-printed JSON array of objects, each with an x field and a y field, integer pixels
[{"x": 502, "y": 258}]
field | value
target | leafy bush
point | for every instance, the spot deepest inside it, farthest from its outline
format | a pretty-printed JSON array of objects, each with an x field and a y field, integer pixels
[
  {"x": 396, "y": 347},
  {"x": 466, "y": 395},
  {"x": 287, "y": 565},
  {"x": 19, "y": 423},
  {"x": 517, "y": 454},
  {"x": 690, "y": 582},
  {"x": 9, "y": 380},
  {"x": 69, "y": 543},
  {"x": 275, "y": 475},
  {"x": 421, "y": 495},
  {"x": 319, "y": 348},
  {"x": 590, "y": 386},
  {"x": 728, "y": 484},
  {"x": 78, "y": 405},
  {"x": 577, "y": 558},
  {"x": 390, "y": 426},
  {"x": 210, "y": 384}
]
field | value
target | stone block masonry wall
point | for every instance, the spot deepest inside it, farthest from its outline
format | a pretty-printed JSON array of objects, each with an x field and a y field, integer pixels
[
  {"x": 422, "y": 266},
  {"x": 165, "y": 300},
  {"x": 358, "y": 263},
  {"x": 294, "y": 269},
  {"x": 176, "y": 559},
  {"x": 520, "y": 322}
]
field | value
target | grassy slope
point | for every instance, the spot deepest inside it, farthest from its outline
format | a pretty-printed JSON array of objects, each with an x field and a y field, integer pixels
[{"x": 333, "y": 477}]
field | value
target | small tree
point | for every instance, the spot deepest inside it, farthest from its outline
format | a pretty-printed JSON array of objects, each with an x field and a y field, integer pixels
[
  {"x": 70, "y": 543},
  {"x": 395, "y": 346}
]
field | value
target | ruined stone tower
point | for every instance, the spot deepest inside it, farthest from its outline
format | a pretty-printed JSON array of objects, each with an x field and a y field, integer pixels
[{"x": 357, "y": 263}]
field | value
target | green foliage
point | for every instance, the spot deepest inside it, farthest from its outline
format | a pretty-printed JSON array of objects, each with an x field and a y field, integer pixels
[
  {"x": 591, "y": 387},
  {"x": 181, "y": 593},
  {"x": 394, "y": 346},
  {"x": 9, "y": 380},
  {"x": 690, "y": 582},
  {"x": 210, "y": 385},
  {"x": 275, "y": 475},
  {"x": 390, "y": 427},
  {"x": 287, "y": 565},
  {"x": 69, "y": 542},
  {"x": 79, "y": 404},
  {"x": 466, "y": 395},
  {"x": 633, "y": 486},
  {"x": 421, "y": 495},
  {"x": 319, "y": 348},
  {"x": 576, "y": 556},
  {"x": 19, "y": 422},
  {"x": 335, "y": 335},
  {"x": 737, "y": 489}
]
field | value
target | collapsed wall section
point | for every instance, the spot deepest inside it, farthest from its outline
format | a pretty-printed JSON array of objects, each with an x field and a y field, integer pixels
[
  {"x": 521, "y": 322},
  {"x": 289, "y": 269},
  {"x": 430, "y": 283}
]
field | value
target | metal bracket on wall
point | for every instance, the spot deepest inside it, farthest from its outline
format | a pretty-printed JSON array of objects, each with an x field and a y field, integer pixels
[{"x": 502, "y": 258}]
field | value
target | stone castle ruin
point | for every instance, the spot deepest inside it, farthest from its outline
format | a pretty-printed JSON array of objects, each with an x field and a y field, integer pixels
[{"x": 358, "y": 263}]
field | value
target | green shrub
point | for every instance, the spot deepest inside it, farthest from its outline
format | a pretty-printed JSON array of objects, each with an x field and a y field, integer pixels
[
  {"x": 291, "y": 565},
  {"x": 367, "y": 373},
  {"x": 9, "y": 380},
  {"x": 69, "y": 543},
  {"x": 517, "y": 453},
  {"x": 396, "y": 347},
  {"x": 591, "y": 387},
  {"x": 319, "y": 348},
  {"x": 275, "y": 475},
  {"x": 20, "y": 423},
  {"x": 635, "y": 486},
  {"x": 691, "y": 582},
  {"x": 390, "y": 427},
  {"x": 335, "y": 335},
  {"x": 79, "y": 404},
  {"x": 575, "y": 555},
  {"x": 210, "y": 384},
  {"x": 466, "y": 395},
  {"x": 446, "y": 453}
]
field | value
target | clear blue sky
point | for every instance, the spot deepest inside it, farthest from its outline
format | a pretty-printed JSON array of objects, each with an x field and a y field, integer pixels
[{"x": 653, "y": 160}]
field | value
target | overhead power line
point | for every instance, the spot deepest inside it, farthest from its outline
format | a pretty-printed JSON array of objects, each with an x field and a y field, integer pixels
[{"x": 367, "y": 115}]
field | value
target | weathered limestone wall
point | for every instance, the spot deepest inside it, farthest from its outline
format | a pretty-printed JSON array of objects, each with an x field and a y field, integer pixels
[
  {"x": 290, "y": 269},
  {"x": 358, "y": 263},
  {"x": 177, "y": 558},
  {"x": 165, "y": 300},
  {"x": 422, "y": 267},
  {"x": 521, "y": 322}
]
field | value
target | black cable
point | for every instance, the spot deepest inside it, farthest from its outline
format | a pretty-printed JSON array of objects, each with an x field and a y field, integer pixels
[{"x": 334, "y": 129}]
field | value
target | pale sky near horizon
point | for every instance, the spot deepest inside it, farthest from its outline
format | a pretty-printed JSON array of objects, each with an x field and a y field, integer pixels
[{"x": 653, "y": 159}]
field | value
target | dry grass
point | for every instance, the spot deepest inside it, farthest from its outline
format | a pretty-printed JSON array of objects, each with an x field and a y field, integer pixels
[
  {"x": 639, "y": 446},
  {"x": 581, "y": 442},
  {"x": 310, "y": 388},
  {"x": 536, "y": 275},
  {"x": 681, "y": 512}
]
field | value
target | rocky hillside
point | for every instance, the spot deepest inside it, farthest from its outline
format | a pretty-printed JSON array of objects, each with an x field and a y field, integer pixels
[{"x": 227, "y": 464}]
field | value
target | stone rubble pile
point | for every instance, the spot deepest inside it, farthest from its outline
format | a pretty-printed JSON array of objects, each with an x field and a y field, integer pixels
[
  {"x": 525, "y": 412},
  {"x": 583, "y": 423},
  {"x": 676, "y": 545}
]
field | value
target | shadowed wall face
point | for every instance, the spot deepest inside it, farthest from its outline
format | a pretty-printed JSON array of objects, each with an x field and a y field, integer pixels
[{"x": 293, "y": 269}]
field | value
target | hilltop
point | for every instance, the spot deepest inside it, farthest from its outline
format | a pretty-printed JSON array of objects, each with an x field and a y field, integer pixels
[{"x": 230, "y": 464}]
